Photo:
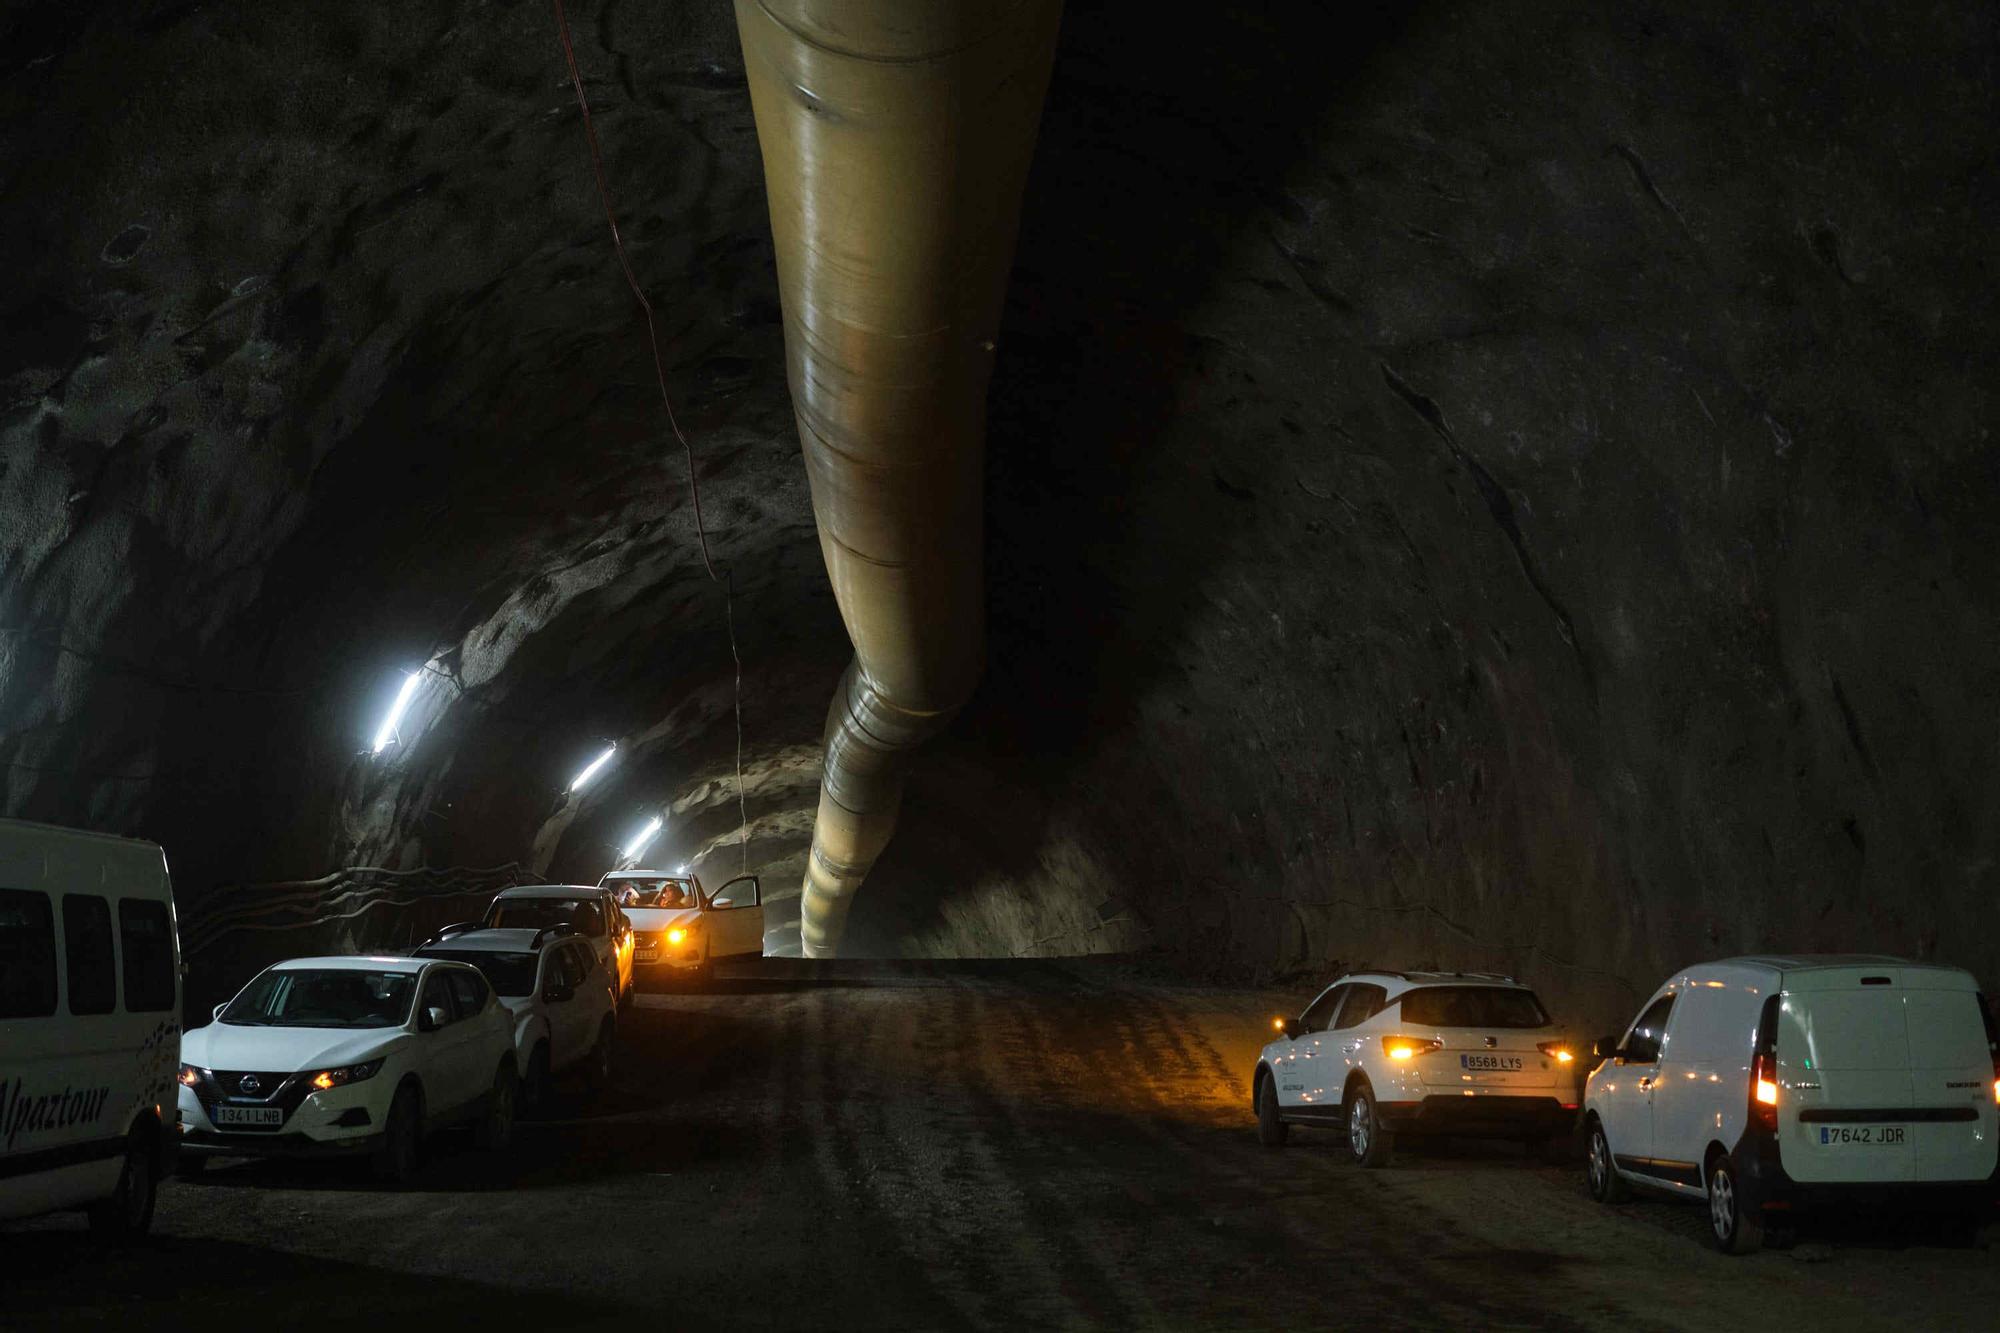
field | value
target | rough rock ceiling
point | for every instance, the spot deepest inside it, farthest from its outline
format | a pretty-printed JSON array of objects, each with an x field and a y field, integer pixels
[{"x": 1503, "y": 485}]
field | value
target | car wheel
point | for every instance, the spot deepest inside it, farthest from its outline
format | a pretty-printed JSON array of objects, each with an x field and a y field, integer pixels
[
  {"x": 535, "y": 1088},
  {"x": 1600, "y": 1169},
  {"x": 129, "y": 1211},
  {"x": 396, "y": 1155},
  {"x": 1736, "y": 1228},
  {"x": 1271, "y": 1131},
  {"x": 597, "y": 1068},
  {"x": 1370, "y": 1143},
  {"x": 496, "y": 1127}
]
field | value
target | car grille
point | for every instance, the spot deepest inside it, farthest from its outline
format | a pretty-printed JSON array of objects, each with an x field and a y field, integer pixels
[{"x": 283, "y": 1089}]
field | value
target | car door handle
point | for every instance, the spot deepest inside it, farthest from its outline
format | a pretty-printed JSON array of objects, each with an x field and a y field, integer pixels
[
  {"x": 1353, "y": 1046},
  {"x": 1646, "y": 1083}
]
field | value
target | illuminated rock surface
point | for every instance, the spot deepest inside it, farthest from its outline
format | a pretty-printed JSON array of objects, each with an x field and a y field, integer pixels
[{"x": 1493, "y": 487}]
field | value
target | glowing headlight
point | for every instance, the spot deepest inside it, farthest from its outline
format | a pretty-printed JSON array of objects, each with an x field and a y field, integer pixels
[
  {"x": 676, "y": 935},
  {"x": 190, "y": 1076},
  {"x": 334, "y": 1078}
]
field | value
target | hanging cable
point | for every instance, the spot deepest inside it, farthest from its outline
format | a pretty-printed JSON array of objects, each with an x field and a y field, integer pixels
[{"x": 727, "y": 578}]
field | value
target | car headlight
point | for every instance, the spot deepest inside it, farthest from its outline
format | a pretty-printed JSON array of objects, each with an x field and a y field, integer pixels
[
  {"x": 190, "y": 1076},
  {"x": 336, "y": 1078}
]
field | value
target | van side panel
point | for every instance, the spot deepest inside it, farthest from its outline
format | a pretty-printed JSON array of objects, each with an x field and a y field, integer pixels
[
  {"x": 74, "y": 1085},
  {"x": 1700, "y": 1097}
]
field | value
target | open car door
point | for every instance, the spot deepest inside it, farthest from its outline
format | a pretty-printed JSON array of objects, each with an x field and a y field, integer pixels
[{"x": 736, "y": 918}]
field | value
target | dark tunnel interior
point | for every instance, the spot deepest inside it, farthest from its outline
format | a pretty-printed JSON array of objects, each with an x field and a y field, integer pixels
[{"x": 1478, "y": 486}]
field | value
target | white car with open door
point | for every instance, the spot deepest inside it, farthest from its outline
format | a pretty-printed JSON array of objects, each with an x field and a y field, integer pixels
[
  {"x": 1770, "y": 1085},
  {"x": 348, "y": 1056},
  {"x": 565, "y": 1014},
  {"x": 592, "y": 909},
  {"x": 1379, "y": 1054},
  {"x": 681, "y": 927},
  {"x": 90, "y": 1018}
]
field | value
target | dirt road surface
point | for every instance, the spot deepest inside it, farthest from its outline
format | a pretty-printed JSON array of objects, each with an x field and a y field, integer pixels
[{"x": 946, "y": 1146}]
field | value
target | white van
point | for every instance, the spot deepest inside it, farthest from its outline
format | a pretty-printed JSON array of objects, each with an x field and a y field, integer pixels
[
  {"x": 1767, "y": 1085},
  {"x": 90, "y": 1025}
]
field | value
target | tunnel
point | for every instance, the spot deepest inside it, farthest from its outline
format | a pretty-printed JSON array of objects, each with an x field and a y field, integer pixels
[{"x": 1151, "y": 508}]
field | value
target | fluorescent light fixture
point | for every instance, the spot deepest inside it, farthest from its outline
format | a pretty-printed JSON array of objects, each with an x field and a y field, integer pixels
[
  {"x": 387, "y": 731},
  {"x": 645, "y": 838},
  {"x": 595, "y": 764}
]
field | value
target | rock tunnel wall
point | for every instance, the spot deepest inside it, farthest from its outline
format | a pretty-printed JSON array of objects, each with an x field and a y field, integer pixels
[{"x": 1500, "y": 486}]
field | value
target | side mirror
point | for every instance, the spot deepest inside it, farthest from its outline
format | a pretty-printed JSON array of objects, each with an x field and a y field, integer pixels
[
  {"x": 558, "y": 992},
  {"x": 432, "y": 1019},
  {"x": 1604, "y": 1048},
  {"x": 1293, "y": 1029}
]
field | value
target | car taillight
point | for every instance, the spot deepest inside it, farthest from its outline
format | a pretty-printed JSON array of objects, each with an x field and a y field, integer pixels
[
  {"x": 1763, "y": 1091},
  {"x": 1764, "y": 1068},
  {"x": 1409, "y": 1048},
  {"x": 1556, "y": 1051}
]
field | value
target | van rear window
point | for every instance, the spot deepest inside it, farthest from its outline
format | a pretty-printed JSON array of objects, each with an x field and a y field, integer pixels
[
  {"x": 1473, "y": 1007},
  {"x": 27, "y": 955},
  {"x": 147, "y": 933}
]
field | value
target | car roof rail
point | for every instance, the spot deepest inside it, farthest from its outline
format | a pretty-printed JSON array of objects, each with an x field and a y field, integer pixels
[{"x": 457, "y": 928}]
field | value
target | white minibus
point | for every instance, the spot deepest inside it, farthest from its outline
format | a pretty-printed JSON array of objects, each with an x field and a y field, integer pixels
[{"x": 90, "y": 1025}]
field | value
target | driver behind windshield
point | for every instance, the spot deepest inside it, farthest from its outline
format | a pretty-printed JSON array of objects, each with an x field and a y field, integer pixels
[{"x": 667, "y": 893}]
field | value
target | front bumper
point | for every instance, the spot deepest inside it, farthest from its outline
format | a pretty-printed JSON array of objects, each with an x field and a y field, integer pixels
[
  {"x": 208, "y": 1143},
  {"x": 1481, "y": 1115},
  {"x": 339, "y": 1120},
  {"x": 686, "y": 958}
]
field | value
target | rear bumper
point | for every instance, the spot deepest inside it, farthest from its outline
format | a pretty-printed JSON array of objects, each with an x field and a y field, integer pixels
[
  {"x": 1760, "y": 1168},
  {"x": 1480, "y": 1116}
]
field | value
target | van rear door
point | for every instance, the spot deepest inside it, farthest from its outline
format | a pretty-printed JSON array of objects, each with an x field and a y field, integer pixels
[{"x": 1867, "y": 1057}]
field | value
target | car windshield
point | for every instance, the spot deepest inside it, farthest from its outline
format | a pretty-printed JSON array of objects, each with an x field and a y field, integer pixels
[
  {"x": 668, "y": 893},
  {"x": 510, "y": 974},
  {"x": 1473, "y": 1007},
  {"x": 332, "y": 998}
]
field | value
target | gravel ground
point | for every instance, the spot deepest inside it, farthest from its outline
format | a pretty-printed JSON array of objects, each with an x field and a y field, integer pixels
[{"x": 953, "y": 1145}]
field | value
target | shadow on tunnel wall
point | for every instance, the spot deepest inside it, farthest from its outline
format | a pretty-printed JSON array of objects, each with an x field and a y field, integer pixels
[{"x": 1162, "y": 147}]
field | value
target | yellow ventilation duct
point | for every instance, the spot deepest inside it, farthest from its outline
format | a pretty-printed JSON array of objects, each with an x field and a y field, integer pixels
[{"x": 896, "y": 138}]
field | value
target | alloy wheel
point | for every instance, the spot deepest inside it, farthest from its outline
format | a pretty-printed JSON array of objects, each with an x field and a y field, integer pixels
[{"x": 1722, "y": 1205}]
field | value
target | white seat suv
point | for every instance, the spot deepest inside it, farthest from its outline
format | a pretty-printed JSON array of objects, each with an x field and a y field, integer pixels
[
  {"x": 362, "y": 1056},
  {"x": 1771, "y": 1085},
  {"x": 563, "y": 1002},
  {"x": 1379, "y": 1054}
]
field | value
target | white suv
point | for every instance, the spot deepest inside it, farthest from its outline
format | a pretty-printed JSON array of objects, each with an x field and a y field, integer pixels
[
  {"x": 562, "y": 1000},
  {"x": 332, "y": 1056},
  {"x": 1448, "y": 1053},
  {"x": 1773, "y": 1084},
  {"x": 592, "y": 909}
]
